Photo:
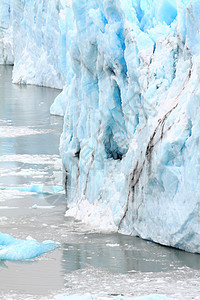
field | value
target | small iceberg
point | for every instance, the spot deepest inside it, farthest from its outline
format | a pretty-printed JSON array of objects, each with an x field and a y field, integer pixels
[{"x": 17, "y": 249}]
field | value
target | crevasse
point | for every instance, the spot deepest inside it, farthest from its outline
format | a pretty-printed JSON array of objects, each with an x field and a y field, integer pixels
[{"x": 130, "y": 143}]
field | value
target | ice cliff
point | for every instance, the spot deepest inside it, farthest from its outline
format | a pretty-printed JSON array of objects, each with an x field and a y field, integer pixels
[
  {"x": 37, "y": 42},
  {"x": 130, "y": 143},
  {"x": 6, "y": 33}
]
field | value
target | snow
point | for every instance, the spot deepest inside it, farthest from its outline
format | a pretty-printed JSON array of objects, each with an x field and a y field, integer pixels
[
  {"x": 17, "y": 249},
  {"x": 130, "y": 142}
]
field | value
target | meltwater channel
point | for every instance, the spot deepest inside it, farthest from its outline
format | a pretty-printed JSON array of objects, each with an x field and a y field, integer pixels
[{"x": 32, "y": 203}]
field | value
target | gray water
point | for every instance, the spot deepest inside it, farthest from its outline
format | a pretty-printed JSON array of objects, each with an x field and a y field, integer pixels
[{"x": 88, "y": 261}]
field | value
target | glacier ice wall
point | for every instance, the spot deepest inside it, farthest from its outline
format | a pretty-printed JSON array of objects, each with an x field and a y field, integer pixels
[
  {"x": 36, "y": 44},
  {"x": 130, "y": 143},
  {"x": 6, "y": 33},
  {"x": 34, "y": 33}
]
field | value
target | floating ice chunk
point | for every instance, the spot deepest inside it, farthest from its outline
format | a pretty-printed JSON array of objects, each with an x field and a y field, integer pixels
[
  {"x": 35, "y": 206},
  {"x": 93, "y": 297},
  {"x": 18, "y": 131},
  {"x": 73, "y": 297},
  {"x": 112, "y": 245},
  {"x": 40, "y": 189},
  {"x": 8, "y": 207},
  {"x": 3, "y": 219},
  {"x": 17, "y": 249}
]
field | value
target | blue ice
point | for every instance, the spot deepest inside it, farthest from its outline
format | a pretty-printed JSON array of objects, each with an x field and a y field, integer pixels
[{"x": 17, "y": 249}]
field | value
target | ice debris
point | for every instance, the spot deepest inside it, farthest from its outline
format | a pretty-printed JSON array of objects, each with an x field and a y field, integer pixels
[
  {"x": 93, "y": 297},
  {"x": 17, "y": 249}
]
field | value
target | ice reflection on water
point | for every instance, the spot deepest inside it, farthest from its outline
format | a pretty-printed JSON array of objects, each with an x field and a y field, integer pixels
[{"x": 122, "y": 254}]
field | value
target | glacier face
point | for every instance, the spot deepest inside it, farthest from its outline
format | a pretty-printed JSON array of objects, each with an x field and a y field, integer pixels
[
  {"x": 37, "y": 43},
  {"x": 32, "y": 32},
  {"x": 130, "y": 143}
]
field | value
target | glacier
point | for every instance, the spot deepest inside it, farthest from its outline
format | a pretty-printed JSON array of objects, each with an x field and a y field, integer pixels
[
  {"x": 17, "y": 249},
  {"x": 130, "y": 100}
]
